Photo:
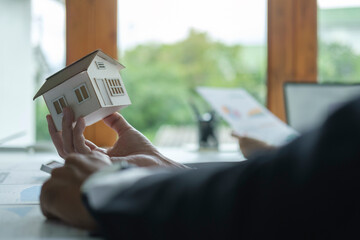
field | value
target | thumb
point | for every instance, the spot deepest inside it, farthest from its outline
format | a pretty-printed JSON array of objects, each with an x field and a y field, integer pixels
[{"x": 117, "y": 122}]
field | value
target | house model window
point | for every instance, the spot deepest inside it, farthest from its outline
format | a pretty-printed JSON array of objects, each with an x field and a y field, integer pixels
[
  {"x": 115, "y": 87},
  {"x": 59, "y": 104},
  {"x": 100, "y": 65},
  {"x": 81, "y": 93}
]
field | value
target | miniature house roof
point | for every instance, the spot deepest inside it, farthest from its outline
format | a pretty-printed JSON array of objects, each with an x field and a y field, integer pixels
[{"x": 74, "y": 69}]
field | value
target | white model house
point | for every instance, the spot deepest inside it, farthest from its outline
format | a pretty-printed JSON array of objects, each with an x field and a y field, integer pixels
[{"x": 91, "y": 86}]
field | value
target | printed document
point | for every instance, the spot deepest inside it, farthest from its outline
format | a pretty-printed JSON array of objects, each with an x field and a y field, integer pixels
[{"x": 246, "y": 116}]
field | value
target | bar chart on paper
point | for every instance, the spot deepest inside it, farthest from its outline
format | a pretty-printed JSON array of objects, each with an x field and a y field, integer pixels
[{"x": 247, "y": 116}]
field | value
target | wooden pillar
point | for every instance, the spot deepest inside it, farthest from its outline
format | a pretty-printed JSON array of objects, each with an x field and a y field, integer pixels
[
  {"x": 91, "y": 25},
  {"x": 292, "y": 47}
]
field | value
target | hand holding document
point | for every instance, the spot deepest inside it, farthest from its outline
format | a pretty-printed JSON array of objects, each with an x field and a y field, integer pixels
[{"x": 247, "y": 116}]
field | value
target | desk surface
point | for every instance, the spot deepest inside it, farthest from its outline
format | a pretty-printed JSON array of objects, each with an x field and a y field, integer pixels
[{"x": 20, "y": 185}]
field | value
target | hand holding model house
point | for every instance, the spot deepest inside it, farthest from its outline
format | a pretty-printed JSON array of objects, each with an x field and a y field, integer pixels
[{"x": 91, "y": 86}]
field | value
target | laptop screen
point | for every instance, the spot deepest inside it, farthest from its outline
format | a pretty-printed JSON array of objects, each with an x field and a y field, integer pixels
[{"x": 308, "y": 104}]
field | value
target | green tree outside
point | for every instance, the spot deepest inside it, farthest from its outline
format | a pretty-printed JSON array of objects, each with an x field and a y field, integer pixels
[
  {"x": 161, "y": 78},
  {"x": 338, "y": 63}
]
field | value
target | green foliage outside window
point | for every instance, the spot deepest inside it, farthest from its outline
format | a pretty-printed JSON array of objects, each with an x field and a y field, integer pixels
[
  {"x": 338, "y": 63},
  {"x": 161, "y": 78}
]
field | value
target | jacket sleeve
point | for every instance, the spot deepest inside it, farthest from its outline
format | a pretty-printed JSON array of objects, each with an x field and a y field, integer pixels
[{"x": 307, "y": 188}]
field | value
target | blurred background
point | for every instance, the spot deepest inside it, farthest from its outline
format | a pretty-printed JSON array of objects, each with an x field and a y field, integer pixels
[{"x": 169, "y": 48}]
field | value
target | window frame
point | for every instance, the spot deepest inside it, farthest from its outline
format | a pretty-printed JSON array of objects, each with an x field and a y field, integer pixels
[
  {"x": 292, "y": 46},
  {"x": 57, "y": 100},
  {"x": 115, "y": 89},
  {"x": 81, "y": 93},
  {"x": 100, "y": 65}
]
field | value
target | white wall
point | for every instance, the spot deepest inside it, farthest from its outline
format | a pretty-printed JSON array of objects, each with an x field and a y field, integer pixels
[{"x": 16, "y": 72}]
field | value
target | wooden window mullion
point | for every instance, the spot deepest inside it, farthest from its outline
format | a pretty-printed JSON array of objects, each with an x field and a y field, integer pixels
[{"x": 292, "y": 47}]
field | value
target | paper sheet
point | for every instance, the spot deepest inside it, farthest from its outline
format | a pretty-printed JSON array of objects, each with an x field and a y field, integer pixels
[
  {"x": 27, "y": 222},
  {"x": 20, "y": 186},
  {"x": 247, "y": 116},
  {"x": 23, "y": 177},
  {"x": 19, "y": 194}
]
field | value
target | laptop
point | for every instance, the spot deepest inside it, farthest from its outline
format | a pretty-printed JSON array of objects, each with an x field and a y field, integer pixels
[{"x": 307, "y": 105}]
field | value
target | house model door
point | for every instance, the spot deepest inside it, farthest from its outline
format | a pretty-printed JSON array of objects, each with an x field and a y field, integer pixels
[{"x": 104, "y": 93}]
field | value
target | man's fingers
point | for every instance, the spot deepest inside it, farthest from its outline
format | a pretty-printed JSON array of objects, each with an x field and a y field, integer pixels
[
  {"x": 64, "y": 173},
  {"x": 55, "y": 136},
  {"x": 67, "y": 130},
  {"x": 60, "y": 197},
  {"x": 236, "y": 135},
  {"x": 48, "y": 197},
  {"x": 117, "y": 122},
  {"x": 243, "y": 138},
  {"x": 79, "y": 161},
  {"x": 90, "y": 144},
  {"x": 140, "y": 160},
  {"x": 87, "y": 164},
  {"x": 78, "y": 137},
  {"x": 93, "y": 147}
]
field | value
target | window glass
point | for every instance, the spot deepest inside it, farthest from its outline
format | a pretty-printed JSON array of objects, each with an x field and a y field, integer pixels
[
  {"x": 339, "y": 41},
  {"x": 48, "y": 44},
  {"x": 78, "y": 95},
  {"x": 57, "y": 107},
  {"x": 100, "y": 65},
  {"x": 59, "y": 104},
  {"x": 114, "y": 86},
  {"x": 17, "y": 68},
  {"x": 170, "y": 47},
  {"x": 62, "y": 102},
  {"x": 84, "y": 92},
  {"x": 81, "y": 93}
]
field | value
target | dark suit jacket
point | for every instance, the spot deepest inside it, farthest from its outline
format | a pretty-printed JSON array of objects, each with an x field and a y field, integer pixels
[{"x": 307, "y": 189}]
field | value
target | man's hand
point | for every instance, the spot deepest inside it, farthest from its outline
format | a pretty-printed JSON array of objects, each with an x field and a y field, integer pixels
[
  {"x": 60, "y": 196},
  {"x": 131, "y": 145},
  {"x": 249, "y": 146}
]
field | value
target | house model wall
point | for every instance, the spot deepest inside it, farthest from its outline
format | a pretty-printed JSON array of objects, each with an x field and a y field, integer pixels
[{"x": 92, "y": 87}]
